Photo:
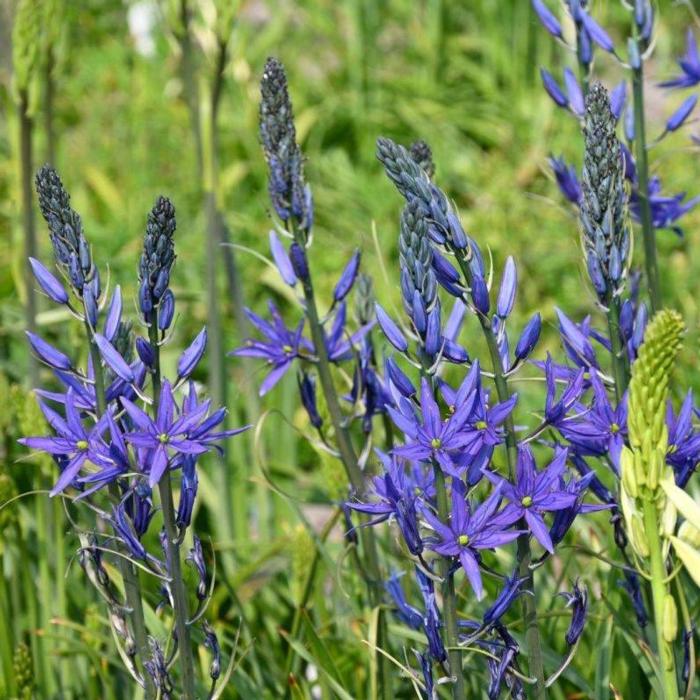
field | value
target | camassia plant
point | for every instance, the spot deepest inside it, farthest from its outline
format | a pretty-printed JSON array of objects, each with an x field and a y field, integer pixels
[
  {"x": 437, "y": 446},
  {"x": 121, "y": 434},
  {"x": 459, "y": 506}
]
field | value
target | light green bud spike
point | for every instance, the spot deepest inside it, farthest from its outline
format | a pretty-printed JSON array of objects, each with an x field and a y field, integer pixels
[
  {"x": 648, "y": 501},
  {"x": 648, "y": 389}
]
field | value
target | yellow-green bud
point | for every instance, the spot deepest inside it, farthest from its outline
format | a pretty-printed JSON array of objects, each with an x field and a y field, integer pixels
[
  {"x": 669, "y": 516},
  {"x": 627, "y": 471},
  {"x": 23, "y": 671},
  {"x": 638, "y": 537},
  {"x": 690, "y": 534},
  {"x": 670, "y": 625}
]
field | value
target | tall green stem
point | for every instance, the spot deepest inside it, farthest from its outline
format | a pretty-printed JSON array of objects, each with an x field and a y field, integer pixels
[
  {"x": 130, "y": 577},
  {"x": 181, "y": 609},
  {"x": 617, "y": 352},
  {"x": 203, "y": 100},
  {"x": 49, "y": 95},
  {"x": 659, "y": 591},
  {"x": 349, "y": 459},
  {"x": 307, "y": 590},
  {"x": 449, "y": 597},
  {"x": 528, "y": 601},
  {"x": 30, "y": 246},
  {"x": 648, "y": 232}
]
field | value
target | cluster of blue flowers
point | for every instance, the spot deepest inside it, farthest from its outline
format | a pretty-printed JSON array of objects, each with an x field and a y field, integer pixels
[
  {"x": 110, "y": 453},
  {"x": 440, "y": 479},
  {"x": 666, "y": 210}
]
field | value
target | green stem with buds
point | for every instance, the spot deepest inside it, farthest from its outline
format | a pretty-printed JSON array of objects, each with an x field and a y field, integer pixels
[
  {"x": 659, "y": 591},
  {"x": 348, "y": 456},
  {"x": 528, "y": 601},
  {"x": 449, "y": 597},
  {"x": 130, "y": 577},
  {"x": 181, "y": 608},
  {"x": 648, "y": 232}
]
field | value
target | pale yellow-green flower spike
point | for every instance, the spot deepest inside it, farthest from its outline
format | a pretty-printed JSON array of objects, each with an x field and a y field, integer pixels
[
  {"x": 648, "y": 392},
  {"x": 649, "y": 502},
  {"x": 26, "y": 44}
]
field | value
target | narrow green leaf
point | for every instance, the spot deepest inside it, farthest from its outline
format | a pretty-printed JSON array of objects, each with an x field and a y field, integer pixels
[{"x": 604, "y": 651}]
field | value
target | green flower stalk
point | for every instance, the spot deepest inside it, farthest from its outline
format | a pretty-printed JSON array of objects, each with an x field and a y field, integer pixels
[
  {"x": 649, "y": 513},
  {"x": 26, "y": 42},
  {"x": 637, "y": 45}
]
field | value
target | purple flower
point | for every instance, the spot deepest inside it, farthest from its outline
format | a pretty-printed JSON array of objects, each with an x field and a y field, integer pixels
[
  {"x": 164, "y": 435},
  {"x": 597, "y": 33},
  {"x": 307, "y": 391},
  {"x": 126, "y": 532},
  {"x": 114, "y": 315},
  {"x": 577, "y": 600},
  {"x": 678, "y": 118},
  {"x": 683, "y": 441},
  {"x": 195, "y": 557},
  {"x": 404, "y": 611},
  {"x": 549, "y": 21},
  {"x": 618, "y": 97},
  {"x": 113, "y": 359},
  {"x": 430, "y": 437},
  {"x": 166, "y": 310},
  {"x": 48, "y": 282},
  {"x": 601, "y": 429},
  {"x": 300, "y": 264},
  {"x": 192, "y": 355},
  {"x": 500, "y": 670},
  {"x": 534, "y": 493},
  {"x": 347, "y": 278},
  {"x": 576, "y": 339},
  {"x": 574, "y": 92},
  {"x": 665, "y": 210},
  {"x": 505, "y": 599},
  {"x": 507, "y": 290},
  {"x": 72, "y": 441},
  {"x": 281, "y": 347},
  {"x": 480, "y": 295},
  {"x": 631, "y": 585},
  {"x": 396, "y": 500},
  {"x": 564, "y": 519},
  {"x": 340, "y": 344},
  {"x": 396, "y": 377},
  {"x": 427, "y": 671},
  {"x": 391, "y": 330},
  {"x": 469, "y": 532},
  {"x": 556, "y": 410},
  {"x": 690, "y": 65},
  {"x": 281, "y": 259},
  {"x": 528, "y": 339},
  {"x": 567, "y": 179},
  {"x": 188, "y": 492},
  {"x": 48, "y": 353},
  {"x": 553, "y": 89}
]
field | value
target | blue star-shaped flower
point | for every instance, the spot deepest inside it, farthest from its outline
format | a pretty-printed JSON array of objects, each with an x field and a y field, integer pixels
[{"x": 534, "y": 493}]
